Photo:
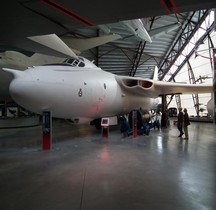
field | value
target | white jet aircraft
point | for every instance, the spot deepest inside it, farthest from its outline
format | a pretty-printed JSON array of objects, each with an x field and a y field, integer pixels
[{"x": 79, "y": 90}]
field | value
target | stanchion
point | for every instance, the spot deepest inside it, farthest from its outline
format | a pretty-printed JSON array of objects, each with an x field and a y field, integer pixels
[
  {"x": 47, "y": 130},
  {"x": 134, "y": 124}
]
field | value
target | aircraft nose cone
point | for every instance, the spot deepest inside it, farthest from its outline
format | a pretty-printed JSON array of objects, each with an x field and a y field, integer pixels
[
  {"x": 20, "y": 91},
  {"x": 27, "y": 94}
]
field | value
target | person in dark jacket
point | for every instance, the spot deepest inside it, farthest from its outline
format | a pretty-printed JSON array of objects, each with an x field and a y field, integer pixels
[
  {"x": 186, "y": 122},
  {"x": 180, "y": 119}
]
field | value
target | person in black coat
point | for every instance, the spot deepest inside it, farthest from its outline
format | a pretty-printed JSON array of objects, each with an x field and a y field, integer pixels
[{"x": 180, "y": 119}]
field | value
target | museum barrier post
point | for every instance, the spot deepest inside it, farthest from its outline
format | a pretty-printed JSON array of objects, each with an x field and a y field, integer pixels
[{"x": 47, "y": 130}]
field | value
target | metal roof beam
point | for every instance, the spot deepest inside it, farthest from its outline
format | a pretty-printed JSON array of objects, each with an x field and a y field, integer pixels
[
  {"x": 180, "y": 44},
  {"x": 137, "y": 58}
]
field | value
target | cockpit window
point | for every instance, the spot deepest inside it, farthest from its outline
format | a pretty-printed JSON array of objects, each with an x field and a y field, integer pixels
[
  {"x": 69, "y": 61},
  {"x": 81, "y": 64},
  {"x": 75, "y": 62}
]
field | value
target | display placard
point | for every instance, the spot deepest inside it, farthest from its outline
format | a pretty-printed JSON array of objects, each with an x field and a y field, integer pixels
[{"x": 104, "y": 121}]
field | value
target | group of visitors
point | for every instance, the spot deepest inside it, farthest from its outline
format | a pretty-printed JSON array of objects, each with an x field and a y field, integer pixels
[
  {"x": 183, "y": 122},
  {"x": 153, "y": 121}
]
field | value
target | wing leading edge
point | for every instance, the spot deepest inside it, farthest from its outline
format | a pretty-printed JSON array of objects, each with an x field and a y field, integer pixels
[{"x": 153, "y": 89}]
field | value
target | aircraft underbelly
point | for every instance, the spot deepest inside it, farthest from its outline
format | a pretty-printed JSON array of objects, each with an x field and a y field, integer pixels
[{"x": 131, "y": 102}]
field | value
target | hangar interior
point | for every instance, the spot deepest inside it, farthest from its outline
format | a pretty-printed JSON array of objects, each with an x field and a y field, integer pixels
[
  {"x": 84, "y": 170},
  {"x": 176, "y": 39}
]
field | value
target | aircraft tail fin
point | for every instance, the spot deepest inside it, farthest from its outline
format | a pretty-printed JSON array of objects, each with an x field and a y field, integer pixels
[{"x": 21, "y": 61}]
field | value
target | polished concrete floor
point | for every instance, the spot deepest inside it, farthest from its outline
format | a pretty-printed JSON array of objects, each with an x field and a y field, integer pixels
[{"x": 86, "y": 172}]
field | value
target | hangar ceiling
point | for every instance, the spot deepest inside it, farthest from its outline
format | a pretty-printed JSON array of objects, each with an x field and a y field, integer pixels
[
  {"x": 129, "y": 56},
  {"x": 126, "y": 56}
]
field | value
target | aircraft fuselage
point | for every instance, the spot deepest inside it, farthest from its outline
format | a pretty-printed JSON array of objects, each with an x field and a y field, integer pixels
[{"x": 80, "y": 94}]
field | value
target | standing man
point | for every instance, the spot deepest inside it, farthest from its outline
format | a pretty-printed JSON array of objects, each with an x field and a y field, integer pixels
[
  {"x": 180, "y": 119},
  {"x": 186, "y": 123}
]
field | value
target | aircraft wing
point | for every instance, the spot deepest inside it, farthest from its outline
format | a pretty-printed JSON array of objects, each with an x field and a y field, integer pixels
[
  {"x": 69, "y": 47},
  {"x": 80, "y": 45},
  {"x": 153, "y": 89},
  {"x": 52, "y": 41},
  {"x": 135, "y": 27}
]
